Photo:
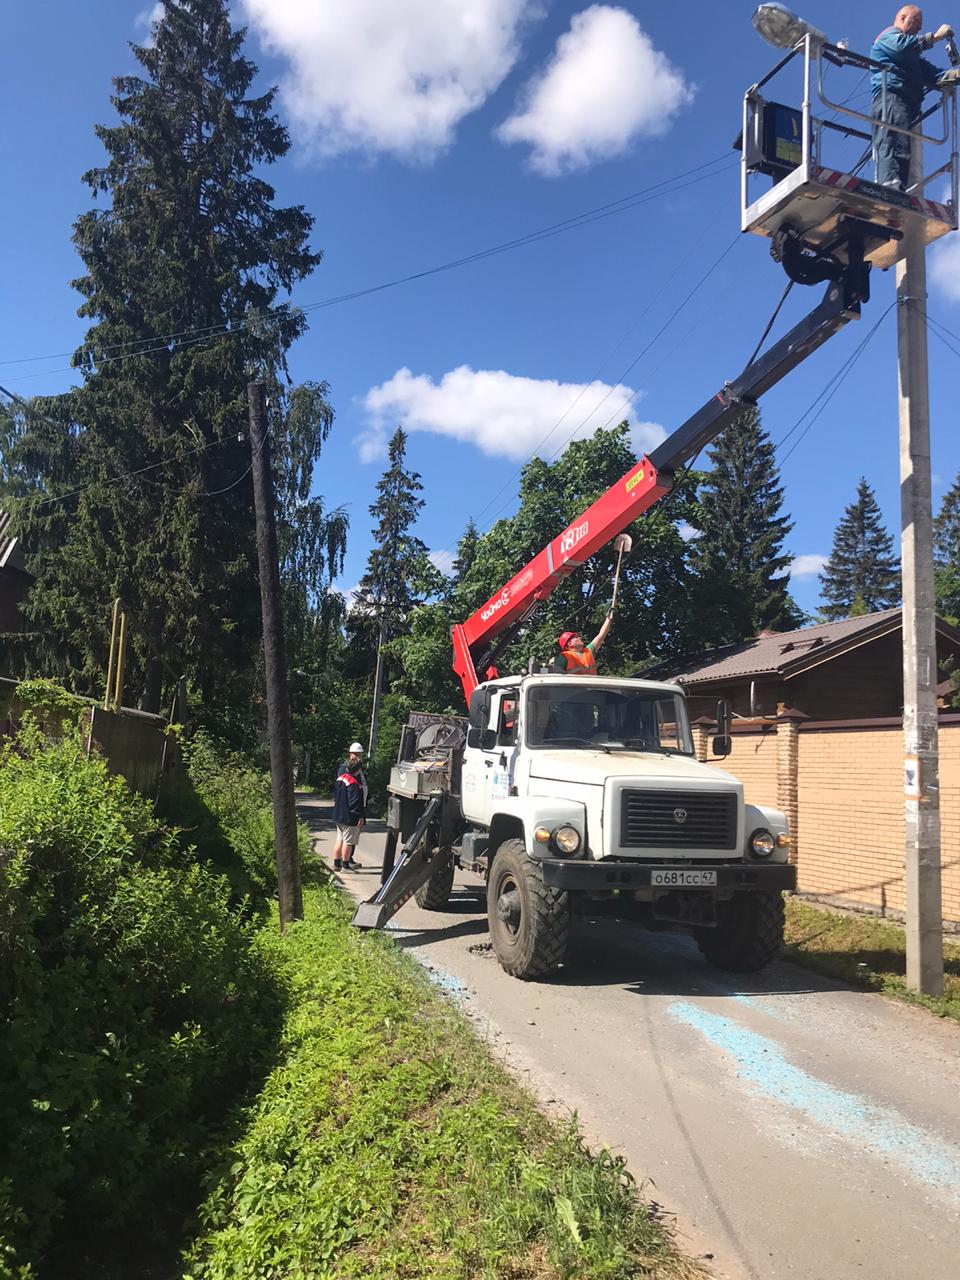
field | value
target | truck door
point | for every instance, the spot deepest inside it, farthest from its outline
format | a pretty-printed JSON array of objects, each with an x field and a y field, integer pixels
[{"x": 488, "y": 767}]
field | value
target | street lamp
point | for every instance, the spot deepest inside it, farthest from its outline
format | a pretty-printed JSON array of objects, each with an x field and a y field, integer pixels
[{"x": 781, "y": 27}]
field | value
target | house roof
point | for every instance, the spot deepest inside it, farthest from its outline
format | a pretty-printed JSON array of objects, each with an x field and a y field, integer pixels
[{"x": 784, "y": 653}]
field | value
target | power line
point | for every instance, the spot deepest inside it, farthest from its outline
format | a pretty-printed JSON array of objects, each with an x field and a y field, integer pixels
[
  {"x": 127, "y": 475},
  {"x": 587, "y": 385},
  {"x": 667, "y": 186},
  {"x": 619, "y": 382},
  {"x": 830, "y": 390}
]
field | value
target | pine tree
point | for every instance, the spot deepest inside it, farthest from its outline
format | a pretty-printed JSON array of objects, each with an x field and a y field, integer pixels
[
  {"x": 396, "y": 565},
  {"x": 861, "y": 575},
  {"x": 946, "y": 552},
  {"x": 739, "y": 558},
  {"x": 183, "y": 271}
]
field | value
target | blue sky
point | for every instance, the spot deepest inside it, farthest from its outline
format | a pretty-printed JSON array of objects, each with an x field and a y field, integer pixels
[{"x": 415, "y": 143}]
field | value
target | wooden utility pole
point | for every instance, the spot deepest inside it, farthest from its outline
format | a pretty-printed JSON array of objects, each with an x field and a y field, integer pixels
[
  {"x": 921, "y": 751},
  {"x": 377, "y": 685},
  {"x": 275, "y": 666}
]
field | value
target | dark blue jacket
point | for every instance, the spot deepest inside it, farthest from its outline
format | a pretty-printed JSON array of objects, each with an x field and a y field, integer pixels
[
  {"x": 909, "y": 73},
  {"x": 348, "y": 803}
]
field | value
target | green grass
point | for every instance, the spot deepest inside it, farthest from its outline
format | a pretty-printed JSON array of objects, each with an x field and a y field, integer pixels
[
  {"x": 865, "y": 952},
  {"x": 389, "y": 1145}
]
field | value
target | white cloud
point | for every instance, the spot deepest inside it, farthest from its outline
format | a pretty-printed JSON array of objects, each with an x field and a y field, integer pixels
[
  {"x": 145, "y": 19},
  {"x": 443, "y": 560},
  {"x": 391, "y": 76},
  {"x": 605, "y": 86},
  {"x": 687, "y": 532},
  {"x": 502, "y": 414},
  {"x": 945, "y": 267},
  {"x": 807, "y": 566}
]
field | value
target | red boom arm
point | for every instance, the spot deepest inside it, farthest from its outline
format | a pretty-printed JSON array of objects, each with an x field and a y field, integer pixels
[
  {"x": 639, "y": 489},
  {"x": 651, "y": 478}
]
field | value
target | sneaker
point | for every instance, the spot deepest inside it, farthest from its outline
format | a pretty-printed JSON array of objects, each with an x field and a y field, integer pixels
[
  {"x": 337, "y": 864},
  {"x": 352, "y": 865}
]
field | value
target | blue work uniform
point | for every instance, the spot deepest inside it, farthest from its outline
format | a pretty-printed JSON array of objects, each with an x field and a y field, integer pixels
[{"x": 909, "y": 76}]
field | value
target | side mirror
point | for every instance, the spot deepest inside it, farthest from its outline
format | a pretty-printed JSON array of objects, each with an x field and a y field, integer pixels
[
  {"x": 722, "y": 745},
  {"x": 473, "y": 737},
  {"x": 488, "y": 739}
]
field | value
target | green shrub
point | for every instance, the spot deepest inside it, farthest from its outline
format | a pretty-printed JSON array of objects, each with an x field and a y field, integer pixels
[
  {"x": 232, "y": 814},
  {"x": 134, "y": 1001},
  {"x": 386, "y": 1144}
]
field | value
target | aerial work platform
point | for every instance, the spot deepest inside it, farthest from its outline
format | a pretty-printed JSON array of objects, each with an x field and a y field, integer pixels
[{"x": 813, "y": 192}]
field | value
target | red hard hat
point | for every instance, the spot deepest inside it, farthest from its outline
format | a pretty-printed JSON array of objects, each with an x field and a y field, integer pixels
[{"x": 566, "y": 638}]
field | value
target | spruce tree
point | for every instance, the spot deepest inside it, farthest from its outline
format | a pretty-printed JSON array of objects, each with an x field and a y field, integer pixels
[
  {"x": 946, "y": 552},
  {"x": 184, "y": 267},
  {"x": 862, "y": 574},
  {"x": 742, "y": 583}
]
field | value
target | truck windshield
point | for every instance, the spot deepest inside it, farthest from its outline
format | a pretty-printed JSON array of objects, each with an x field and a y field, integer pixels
[{"x": 583, "y": 716}]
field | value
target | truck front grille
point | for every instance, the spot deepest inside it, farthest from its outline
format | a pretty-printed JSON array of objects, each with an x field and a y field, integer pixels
[{"x": 678, "y": 820}]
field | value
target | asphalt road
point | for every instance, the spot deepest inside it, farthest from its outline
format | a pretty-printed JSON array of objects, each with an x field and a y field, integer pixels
[{"x": 794, "y": 1128}]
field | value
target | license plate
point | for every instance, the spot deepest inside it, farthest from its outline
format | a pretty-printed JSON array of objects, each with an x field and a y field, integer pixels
[{"x": 694, "y": 878}]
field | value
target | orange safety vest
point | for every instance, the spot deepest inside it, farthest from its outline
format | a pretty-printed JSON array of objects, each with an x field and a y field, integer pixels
[{"x": 580, "y": 658}]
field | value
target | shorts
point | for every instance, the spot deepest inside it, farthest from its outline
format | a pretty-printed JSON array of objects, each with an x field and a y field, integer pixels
[{"x": 348, "y": 835}]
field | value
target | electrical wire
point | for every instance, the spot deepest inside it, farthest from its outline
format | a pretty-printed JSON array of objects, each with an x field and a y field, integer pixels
[
  {"x": 625, "y": 406},
  {"x": 830, "y": 390},
  {"x": 667, "y": 186},
  {"x": 128, "y": 475},
  {"x": 586, "y": 386}
]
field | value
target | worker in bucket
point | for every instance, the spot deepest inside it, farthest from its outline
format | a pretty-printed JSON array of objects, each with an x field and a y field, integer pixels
[
  {"x": 576, "y": 656},
  {"x": 909, "y": 75}
]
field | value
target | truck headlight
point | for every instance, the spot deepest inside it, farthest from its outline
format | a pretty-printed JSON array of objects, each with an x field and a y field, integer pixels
[
  {"x": 567, "y": 839},
  {"x": 762, "y": 843}
]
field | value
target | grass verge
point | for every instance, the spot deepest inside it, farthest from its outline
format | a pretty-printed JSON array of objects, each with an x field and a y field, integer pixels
[
  {"x": 389, "y": 1145},
  {"x": 866, "y": 952}
]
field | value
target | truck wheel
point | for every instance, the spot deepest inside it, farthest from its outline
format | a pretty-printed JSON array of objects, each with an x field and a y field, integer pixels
[
  {"x": 749, "y": 932},
  {"x": 434, "y": 894},
  {"x": 529, "y": 922}
]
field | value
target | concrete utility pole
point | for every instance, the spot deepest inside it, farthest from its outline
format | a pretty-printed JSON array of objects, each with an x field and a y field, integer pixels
[
  {"x": 921, "y": 750},
  {"x": 275, "y": 666}
]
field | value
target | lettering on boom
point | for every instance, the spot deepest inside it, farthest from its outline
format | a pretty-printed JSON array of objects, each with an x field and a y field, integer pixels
[
  {"x": 499, "y": 602},
  {"x": 573, "y": 537},
  {"x": 634, "y": 481}
]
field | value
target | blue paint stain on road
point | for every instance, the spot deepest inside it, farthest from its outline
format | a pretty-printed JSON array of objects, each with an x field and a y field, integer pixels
[
  {"x": 876, "y": 1129},
  {"x": 453, "y": 986}
]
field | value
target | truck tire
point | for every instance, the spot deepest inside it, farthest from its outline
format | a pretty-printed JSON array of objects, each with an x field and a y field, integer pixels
[
  {"x": 434, "y": 894},
  {"x": 749, "y": 932},
  {"x": 529, "y": 922}
]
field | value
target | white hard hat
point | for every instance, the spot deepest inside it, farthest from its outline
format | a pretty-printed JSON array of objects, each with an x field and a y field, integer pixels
[{"x": 355, "y": 746}]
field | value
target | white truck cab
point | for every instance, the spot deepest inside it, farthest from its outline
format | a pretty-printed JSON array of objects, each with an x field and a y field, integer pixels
[{"x": 583, "y": 786}]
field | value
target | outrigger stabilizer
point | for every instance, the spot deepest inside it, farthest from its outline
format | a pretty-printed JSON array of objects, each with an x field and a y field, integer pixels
[{"x": 418, "y": 861}]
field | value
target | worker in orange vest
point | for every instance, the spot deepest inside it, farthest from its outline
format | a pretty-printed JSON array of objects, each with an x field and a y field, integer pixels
[{"x": 579, "y": 657}]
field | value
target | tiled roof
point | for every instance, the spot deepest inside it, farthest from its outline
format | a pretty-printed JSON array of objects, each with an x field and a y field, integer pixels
[{"x": 783, "y": 652}]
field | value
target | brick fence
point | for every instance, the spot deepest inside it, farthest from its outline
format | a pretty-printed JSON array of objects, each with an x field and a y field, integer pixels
[{"x": 841, "y": 785}]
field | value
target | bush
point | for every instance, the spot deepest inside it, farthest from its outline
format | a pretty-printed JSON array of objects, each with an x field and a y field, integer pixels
[
  {"x": 134, "y": 1001},
  {"x": 387, "y": 1144},
  {"x": 229, "y": 817}
]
